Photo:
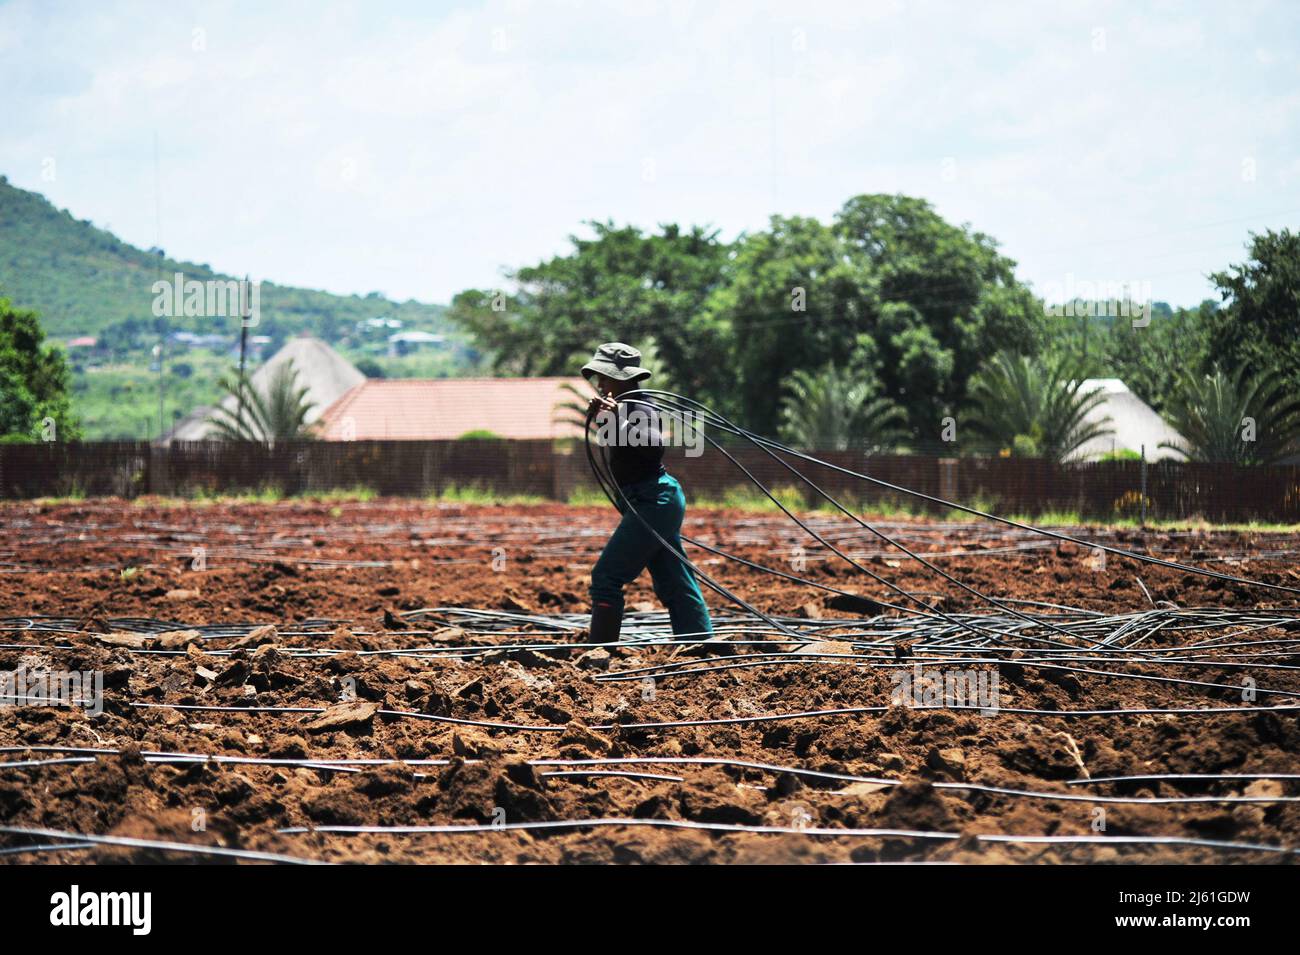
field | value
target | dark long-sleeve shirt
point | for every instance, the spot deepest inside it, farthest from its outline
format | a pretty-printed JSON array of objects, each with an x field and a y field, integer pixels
[{"x": 637, "y": 452}]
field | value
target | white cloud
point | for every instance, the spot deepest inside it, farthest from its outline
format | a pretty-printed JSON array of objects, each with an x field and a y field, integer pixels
[{"x": 364, "y": 146}]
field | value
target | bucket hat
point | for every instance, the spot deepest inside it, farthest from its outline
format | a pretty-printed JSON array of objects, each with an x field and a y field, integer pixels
[{"x": 617, "y": 361}]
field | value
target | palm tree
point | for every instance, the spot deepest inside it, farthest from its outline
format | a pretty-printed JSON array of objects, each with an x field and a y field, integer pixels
[
  {"x": 1234, "y": 418},
  {"x": 1036, "y": 406},
  {"x": 834, "y": 410},
  {"x": 572, "y": 412},
  {"x": 277, "y": 414}
]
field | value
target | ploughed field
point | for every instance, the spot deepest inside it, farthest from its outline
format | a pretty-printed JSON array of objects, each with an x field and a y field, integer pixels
[{"x": 274, "y": 674}]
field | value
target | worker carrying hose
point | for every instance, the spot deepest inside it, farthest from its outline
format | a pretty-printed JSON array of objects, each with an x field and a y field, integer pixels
[{"x": 631, "y": 430}]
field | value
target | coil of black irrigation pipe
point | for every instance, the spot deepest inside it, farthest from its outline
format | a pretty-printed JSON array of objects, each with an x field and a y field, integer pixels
[
  {"x": 604, "y": 477},
  {"x": 724, "y": 425},
  {"x": 601, "y": 470},
  {"x": 915, "y": 598},
  {"x": 679, "y": 408}
]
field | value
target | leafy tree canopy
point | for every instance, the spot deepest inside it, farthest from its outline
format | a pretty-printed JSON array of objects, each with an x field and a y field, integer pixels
[
  {"x": 888, "y": 289},
  {"x": 34, "y": 380},
  {"x": 621, "y": 285},
  {"x": 1259, "y": 326}
]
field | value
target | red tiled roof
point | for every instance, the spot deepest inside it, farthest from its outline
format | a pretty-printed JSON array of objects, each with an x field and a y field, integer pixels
[{"x": 411, "y": 409}]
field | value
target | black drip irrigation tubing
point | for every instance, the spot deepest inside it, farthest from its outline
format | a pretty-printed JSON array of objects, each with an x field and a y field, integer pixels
[
  {"x": 722, "y": 424},
  {"x": 596, "y": 767},
  {"x": 718, "y": 664},
  {"x": 868, "y": 653},
  {"x": 678, "y": 413},
  {"x": 679, "y": 407},
  {"x": 43, "y": 847},
  {"x": 82, "y": 840},
  {"x": 811, "y": 831},
  {"x": 604, "y": 477},
  {"x": 740, "y": 720}
]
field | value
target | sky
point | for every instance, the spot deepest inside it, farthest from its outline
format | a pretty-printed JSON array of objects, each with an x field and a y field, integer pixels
[{"x": 418, "y": 149}]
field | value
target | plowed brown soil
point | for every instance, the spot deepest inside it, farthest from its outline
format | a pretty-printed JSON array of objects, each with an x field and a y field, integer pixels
[{"x": 290, "y": 563}]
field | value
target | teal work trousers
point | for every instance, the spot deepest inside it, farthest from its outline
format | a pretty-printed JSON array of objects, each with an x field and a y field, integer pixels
[{"x": 632, "y": 549}]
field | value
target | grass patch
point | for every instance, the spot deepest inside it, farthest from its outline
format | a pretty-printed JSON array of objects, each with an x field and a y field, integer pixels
[
  {"x": 586, "y": 496},
  {"x": 62, "y": 499},
  {"x": 267, "y": 494},
  {"x": 358, "y": 493},
  {"x": 1201, "y": 524},
  {"x": 746, "y": 498},
  {"x": 1047, "y": 518},
  {"x": 475, "y": 494}
]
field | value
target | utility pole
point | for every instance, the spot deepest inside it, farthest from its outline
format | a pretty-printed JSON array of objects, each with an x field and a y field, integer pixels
[
  {"x": 158, "y": 351},
  {"x": 245, "y": 312},
  {"x": 1144, "y": 485},
  {"x": 162, "y": 337}
]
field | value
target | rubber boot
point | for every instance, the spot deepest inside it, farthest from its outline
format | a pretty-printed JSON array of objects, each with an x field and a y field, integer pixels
[{"x": 606, "y": 621}]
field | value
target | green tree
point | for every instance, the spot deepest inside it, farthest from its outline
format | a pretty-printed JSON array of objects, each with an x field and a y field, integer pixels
[
  {"x": 17, "y": 407},
  {"x": 34, "y": 380},
  {"x": 834, "y": 410},
  {"x": 947, "y": 299},
  {"x": 1036, "y": 407},
  {"x": 1235, "y": 418},
  {"x": 370, "y": 368},
  {"x": 276, "y": 414},
  {"x": 889, "y": 288},
  {"x": 789, "y": 300},
  {"x": 1259, "y": 325},
  {"x": 621, "y": 285}
]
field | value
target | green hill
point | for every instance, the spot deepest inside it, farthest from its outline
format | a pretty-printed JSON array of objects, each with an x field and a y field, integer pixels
[{"x": 85, "y": 281}]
